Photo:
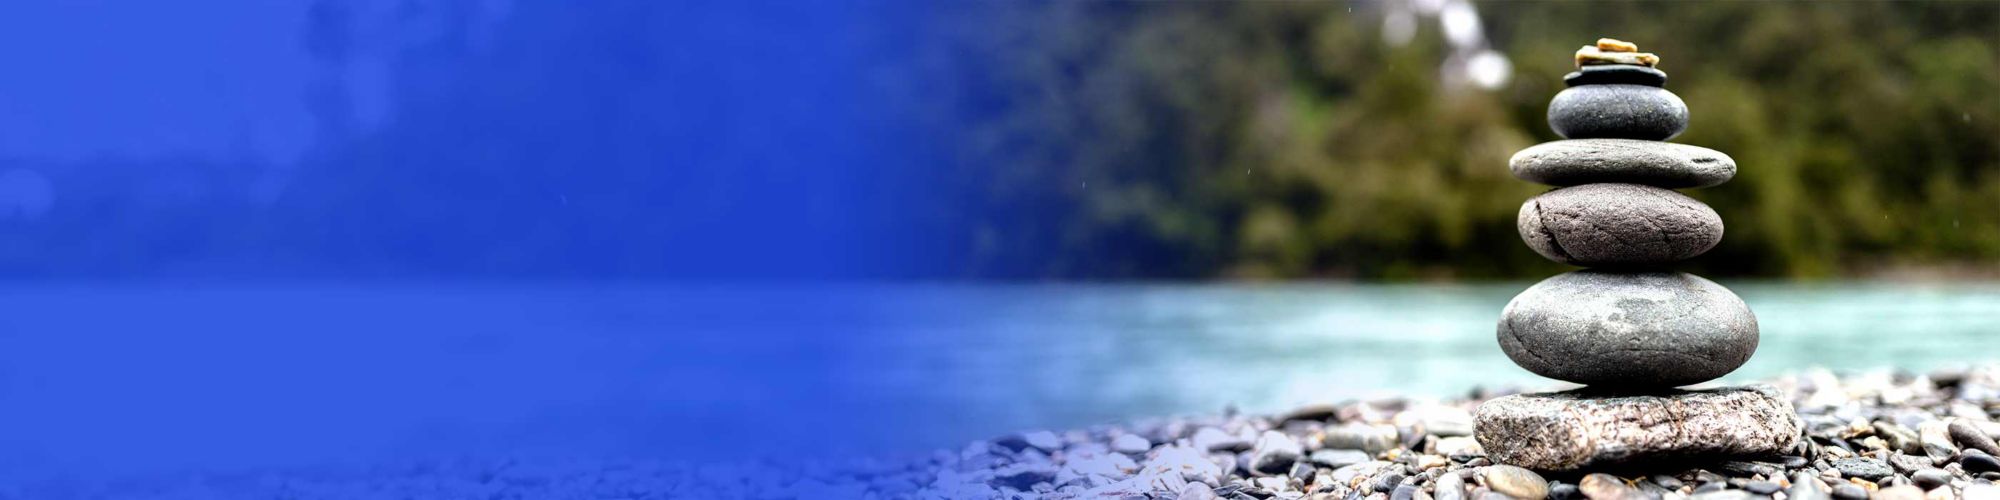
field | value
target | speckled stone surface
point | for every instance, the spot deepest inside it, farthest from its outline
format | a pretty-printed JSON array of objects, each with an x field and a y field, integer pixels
[
  {"x": 1565, "y": 431},
  {"x": 1618, "y": 111},
  {"x": 1616, "y": 73},
  {"x": 1653, "y": 163},
  {"x": 1628, "y": 330},
  {"x": 1617, "y": 225}
]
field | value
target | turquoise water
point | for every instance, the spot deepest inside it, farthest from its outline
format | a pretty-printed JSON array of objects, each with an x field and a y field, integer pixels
[
  {"x": 1063, "y": 356},
  {"x": 216, "y": 377}
]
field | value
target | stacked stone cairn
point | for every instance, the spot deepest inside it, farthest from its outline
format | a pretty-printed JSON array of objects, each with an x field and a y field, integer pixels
[{"x": 1626, "y": 327}]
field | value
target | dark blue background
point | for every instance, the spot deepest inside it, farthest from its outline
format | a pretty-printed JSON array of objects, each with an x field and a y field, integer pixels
[{"x": 243, "y": 234}]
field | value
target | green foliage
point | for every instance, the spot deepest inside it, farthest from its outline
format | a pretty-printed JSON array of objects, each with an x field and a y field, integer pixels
[{"x": 1281, "y": 140}]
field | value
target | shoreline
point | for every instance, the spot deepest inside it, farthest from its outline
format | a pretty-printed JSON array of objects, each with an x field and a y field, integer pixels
[{"x": 1876, "y": 434}]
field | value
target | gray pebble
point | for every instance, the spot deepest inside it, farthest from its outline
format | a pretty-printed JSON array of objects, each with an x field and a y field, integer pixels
[
  {"x": 1967, "y": 436},
  {"x": 1334, "y": 459},
  {"x": 1631, "y": 74},
  {"x": 1761, "y": 487},
  {"x": 1849, "y": 491},
  {"x": 1929, "y": 479},
  {"x": 1607, "y": 487},
  {"x": 1197, "y": 491},
  {"x": 1564, "y": 491},
  {"x": 1213, "y": 439},
  {"x": 1666, "y": 481},
  {"x": 1303, "y": 472},
  {"x": 1865, "y": 468},
  {"x": 1130, "y": 444},
  {"x": 1403, "y": 492},
  {"x": 1978, "y": 462},
  {"x": 1613, "y": 224},
  {"x": 1653, "y": 163},
  {"x": 1275, "y": 453},
  {"x": 1805, "y": 486},
  {"x": 1627, "y": 329},
  {"x": 1515, "y": 481},
  {"x": 1618, "y": 111},
  {"x": 1449, "y": 487}
]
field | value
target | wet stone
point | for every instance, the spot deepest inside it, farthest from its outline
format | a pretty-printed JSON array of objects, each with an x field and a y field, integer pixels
[
  {"x": 1586, "y": 161},
  {"x": 1618, "y": 111},
  {"x": 1576, "y": 429},
  {"x": 1627, "y": 329},
  {"x": 1617, "y": 225}
]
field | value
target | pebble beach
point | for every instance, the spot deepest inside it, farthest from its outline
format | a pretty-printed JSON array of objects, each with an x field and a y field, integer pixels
[{"x": 1879, "y": 434}]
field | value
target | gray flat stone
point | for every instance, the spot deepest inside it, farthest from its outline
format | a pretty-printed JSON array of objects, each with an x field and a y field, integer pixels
[
  {"x": 1639, "y": 330},
  {"x": 1653, "y": 163},
  {"x": 1566, "y": 431},
  {"x": 1618, "y": 225},
  {"x": 1599, "y": 74},
  {"x": 1618, "y": 111}
]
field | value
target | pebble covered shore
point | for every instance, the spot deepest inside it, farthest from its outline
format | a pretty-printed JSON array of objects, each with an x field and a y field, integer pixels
[{"x": 1878, "y": 435}]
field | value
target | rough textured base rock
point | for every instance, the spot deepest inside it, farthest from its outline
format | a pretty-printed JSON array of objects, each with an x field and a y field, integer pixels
[
  {"x": 1653, "y": 163},
  {"x": 1618, "y": 112},
  {"x": 1618, "y": 225},
  {"x": 1638, "y": 329},
  {"x": 1566, "y": 431}
]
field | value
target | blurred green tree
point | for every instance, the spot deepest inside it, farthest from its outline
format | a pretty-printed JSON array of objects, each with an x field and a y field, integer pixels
[{"x": 1282, "y": 140}]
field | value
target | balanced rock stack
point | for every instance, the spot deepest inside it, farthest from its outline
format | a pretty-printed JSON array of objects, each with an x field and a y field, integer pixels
[{"x": 1626, "y": 328}]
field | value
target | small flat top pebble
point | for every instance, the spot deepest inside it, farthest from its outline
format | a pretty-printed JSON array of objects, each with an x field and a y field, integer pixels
[{"x": 1590, "y": 54}]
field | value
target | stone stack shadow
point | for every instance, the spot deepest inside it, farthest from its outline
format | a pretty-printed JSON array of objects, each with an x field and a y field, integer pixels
[{"x": 1627, "y": 327}]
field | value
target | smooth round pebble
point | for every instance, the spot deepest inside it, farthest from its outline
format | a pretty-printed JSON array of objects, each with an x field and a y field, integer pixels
[
  {"x": 1605, "y": 486},
  {"x": 1929, "y": 479},
  {"x": 1628, "y": 329},
  {"x": 1618, "y": 111},
  {"x": 1516, "y": 482},
  {"x": 1600, "y": 74},
  {"x": 1979, "y": 462},
  {"x": 1849, "y": 491},
  {"x": 1130, "y": 444},
  {"x": 1588, "y": 161},
  {"x": 1603, "y": 225}
]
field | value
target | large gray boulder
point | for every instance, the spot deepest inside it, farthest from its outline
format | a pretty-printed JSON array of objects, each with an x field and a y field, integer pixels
[
  {"x": 1566, "y": 431},
  {"x": 1640, "y": 330}
]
